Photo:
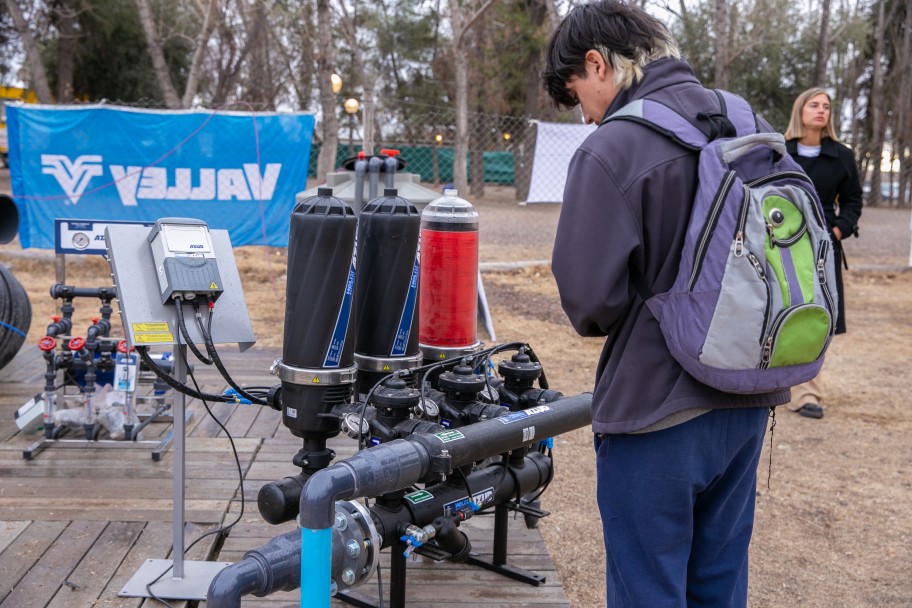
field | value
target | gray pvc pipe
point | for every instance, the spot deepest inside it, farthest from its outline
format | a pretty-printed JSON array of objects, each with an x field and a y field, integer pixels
[
  {"x": 360, "y": 171},
  {"x": 373, "y": 168},
  {"x": 273, "y": 567}
]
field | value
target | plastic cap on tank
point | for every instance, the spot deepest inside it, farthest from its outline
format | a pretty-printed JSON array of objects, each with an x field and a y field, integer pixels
[
  {"x": 324, "y": 191},
  {"x": 451, "y": 209}
]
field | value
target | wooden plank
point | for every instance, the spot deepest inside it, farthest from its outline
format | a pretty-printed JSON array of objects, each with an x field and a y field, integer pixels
[
  {"x": 23, "y": 552},
  {"x": 267, "y": 423},
  {"x": 153, "y": 542},
  {"x": 9, "y": 530},
  {"x": 93, "y": 573},
  {"x": 48, "y": 574}
]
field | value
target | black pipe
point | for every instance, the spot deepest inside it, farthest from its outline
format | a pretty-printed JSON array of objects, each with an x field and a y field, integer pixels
[
  {"x": 401, "y": 463},
  {"x": 59, "y": 290}
]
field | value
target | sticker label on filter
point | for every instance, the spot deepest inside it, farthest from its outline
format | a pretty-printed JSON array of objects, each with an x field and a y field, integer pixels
[
  {"x": 408, "y": 310},
  {"x": 291, "y": 412},
  {"x": 334, "y": 352},
  {"x": 451, "y": 435},
  {"x": 529, "y": 433},
  {"x": 419, "y": 496},
  {"x": 479, "y": 498},
  {"x": 524, "y": 414}
]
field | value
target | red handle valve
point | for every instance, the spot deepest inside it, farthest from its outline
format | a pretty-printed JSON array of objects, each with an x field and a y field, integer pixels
[
  {"x": 361, "y": 155},
  {"x": 95, "y": 320},
  {"x": 47, "y": 343},
  {"x": 389, "y": 152},
  {"x": 122, "y": 346},
  {"x": 56, "y": 318},
  {"x": 77, "y": 343}
]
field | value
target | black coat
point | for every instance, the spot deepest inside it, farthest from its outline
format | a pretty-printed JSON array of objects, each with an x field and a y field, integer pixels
[{"x": 835, "y": 178}]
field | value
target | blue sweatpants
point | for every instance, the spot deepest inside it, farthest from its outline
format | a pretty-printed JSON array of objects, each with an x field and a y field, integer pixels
[{"x": 677, "y": 509}]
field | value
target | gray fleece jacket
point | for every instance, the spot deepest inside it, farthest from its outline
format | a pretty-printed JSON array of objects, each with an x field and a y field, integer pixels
[{"x": 626, "y": 206}]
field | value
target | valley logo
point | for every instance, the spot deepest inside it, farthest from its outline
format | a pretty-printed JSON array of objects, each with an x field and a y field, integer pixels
[{"x": 135, "y": 183}]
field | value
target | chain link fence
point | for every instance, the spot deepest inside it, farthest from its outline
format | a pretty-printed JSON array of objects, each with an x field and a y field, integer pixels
[{"x": 500, "y": 148}]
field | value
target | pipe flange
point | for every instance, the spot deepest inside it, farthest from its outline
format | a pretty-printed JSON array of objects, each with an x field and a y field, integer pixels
[
  {"x": 369, "y": 531},
  {"x": 387, "y": 364},
  {"x": 442, "y": 353},
  {"x": 319, "y": 376}
]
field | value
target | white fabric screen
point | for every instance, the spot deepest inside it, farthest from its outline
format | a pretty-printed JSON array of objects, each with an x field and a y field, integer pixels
[{"x": 555, "y": 144}]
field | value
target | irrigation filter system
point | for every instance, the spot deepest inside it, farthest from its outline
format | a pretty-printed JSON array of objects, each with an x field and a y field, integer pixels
[{"x": 380, "y": 344}]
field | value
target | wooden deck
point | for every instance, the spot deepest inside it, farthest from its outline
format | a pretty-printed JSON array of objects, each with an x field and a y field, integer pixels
[{"x": 76, "y": 523}]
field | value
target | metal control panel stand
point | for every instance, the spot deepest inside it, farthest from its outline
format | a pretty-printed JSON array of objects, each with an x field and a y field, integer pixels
[{"x": 148, "y": 322}]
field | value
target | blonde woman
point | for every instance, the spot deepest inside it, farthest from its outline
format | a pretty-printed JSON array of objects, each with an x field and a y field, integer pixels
[{"x": 812, "y": 142}]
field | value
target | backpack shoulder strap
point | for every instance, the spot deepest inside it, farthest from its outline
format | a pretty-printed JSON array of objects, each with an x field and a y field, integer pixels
[
  {"x": 735, "y": 119},
  {"x": 738, "y": 112},
  {"x": 659, "y": 117}
]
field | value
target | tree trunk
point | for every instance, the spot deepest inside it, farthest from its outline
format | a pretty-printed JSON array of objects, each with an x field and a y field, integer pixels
[
  {"x": 461, "y": 26},
  {"x": 37, "y": 74},
  {"x": 823, "y": 45},
  {"x": 903, "y": 111},
  {"x": 461, "y": 147},
  {"x": 326, "y": 162},
  {"x": 66, "y": 49},
  {"x": 876, "y": 104},
  {"x": 720, "y": 77},
  {"x": 159, "y": 65},
  {"x": 210, "y": 19}
]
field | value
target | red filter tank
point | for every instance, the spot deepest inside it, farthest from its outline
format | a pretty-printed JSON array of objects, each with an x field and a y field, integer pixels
[{"x": 448, "y": 300}]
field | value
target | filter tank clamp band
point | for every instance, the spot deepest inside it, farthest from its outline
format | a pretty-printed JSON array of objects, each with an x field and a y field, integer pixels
[
  {"x": 441, "y": 353},
  {"x": 387, "y": 364},
  {"x": 318, "y": 376}
]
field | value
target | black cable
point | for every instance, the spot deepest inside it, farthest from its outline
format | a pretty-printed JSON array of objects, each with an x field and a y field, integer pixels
[
  {"x": 210, "y": 348},
  {"x": 364, "y": 407},
  {"x": 183, "y": 329},
  {"x": 183, "y": 389}
]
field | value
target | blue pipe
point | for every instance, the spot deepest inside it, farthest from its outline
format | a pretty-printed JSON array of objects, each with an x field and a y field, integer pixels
[{"x": 316, "y": 562}]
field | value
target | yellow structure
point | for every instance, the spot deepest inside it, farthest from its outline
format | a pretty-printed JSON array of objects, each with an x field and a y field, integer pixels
[{"x": 8, "y": 94}]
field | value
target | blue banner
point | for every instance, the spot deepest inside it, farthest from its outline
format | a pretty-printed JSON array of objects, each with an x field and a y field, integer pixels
[{"x": 237, "y": 171}]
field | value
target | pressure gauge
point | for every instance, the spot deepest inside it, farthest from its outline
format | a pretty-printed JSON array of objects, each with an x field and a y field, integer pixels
[{"x": 81, "y": 240}]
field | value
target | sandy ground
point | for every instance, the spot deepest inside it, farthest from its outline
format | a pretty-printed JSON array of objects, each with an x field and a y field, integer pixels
[{"x": 834, "y": 521}]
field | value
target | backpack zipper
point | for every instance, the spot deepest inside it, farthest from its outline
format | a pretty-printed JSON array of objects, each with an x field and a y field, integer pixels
[
  {"x": 709, "y": 227},
  {"x": 769, "y": 296},
  {"x": 796, "y": 175},
  {"x": 824, "y": 286}
]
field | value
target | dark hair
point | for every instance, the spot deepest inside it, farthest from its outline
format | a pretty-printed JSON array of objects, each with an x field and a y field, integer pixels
[{"x": 627, "y": 36}]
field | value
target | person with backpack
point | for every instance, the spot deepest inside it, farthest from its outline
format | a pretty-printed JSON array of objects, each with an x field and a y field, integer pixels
[
  {"x": 676, "y": 456},
  {"x": 811, "y": 140}
]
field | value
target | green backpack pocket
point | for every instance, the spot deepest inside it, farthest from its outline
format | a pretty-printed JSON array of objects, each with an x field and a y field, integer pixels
[{"x": 798, "y": 335}]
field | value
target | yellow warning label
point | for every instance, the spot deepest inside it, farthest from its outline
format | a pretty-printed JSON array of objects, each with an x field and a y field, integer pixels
[
  {"x": 151, "y": 327},
  {"x": 386, "y": 367},
  {"x": 441, "y": 356},
  {"x": 153, "y": 338},
  {"x": 212, "y": 285},
  {"x": 316, "y": 380}
]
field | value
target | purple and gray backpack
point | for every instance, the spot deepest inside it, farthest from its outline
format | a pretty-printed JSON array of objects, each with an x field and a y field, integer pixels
[{"x": 751, "y": 309}]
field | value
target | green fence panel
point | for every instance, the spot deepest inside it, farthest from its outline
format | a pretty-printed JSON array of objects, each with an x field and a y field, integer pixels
[{"x": 498, "y": 165}]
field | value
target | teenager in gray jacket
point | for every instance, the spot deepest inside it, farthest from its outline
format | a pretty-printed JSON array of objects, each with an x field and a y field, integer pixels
[{"x": 676, "y": 459}]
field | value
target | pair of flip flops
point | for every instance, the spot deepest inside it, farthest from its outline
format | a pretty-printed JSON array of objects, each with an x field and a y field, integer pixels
[{"x": 811, "y": 410}]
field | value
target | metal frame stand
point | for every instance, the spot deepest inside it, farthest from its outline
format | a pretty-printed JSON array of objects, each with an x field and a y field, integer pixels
[
  {"x": 498, "y": 564},
  {"x": 189, "y": 580},
  {"x": 159, "y": 446}
]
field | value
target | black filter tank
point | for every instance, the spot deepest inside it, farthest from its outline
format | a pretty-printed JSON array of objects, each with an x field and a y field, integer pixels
[
  {"x": 317, "y": 367},
  {"x": 387, "y": 289}
]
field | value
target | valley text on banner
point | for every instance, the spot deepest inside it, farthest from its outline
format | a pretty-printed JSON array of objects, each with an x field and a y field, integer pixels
[{"x": 237, "y": 171}]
